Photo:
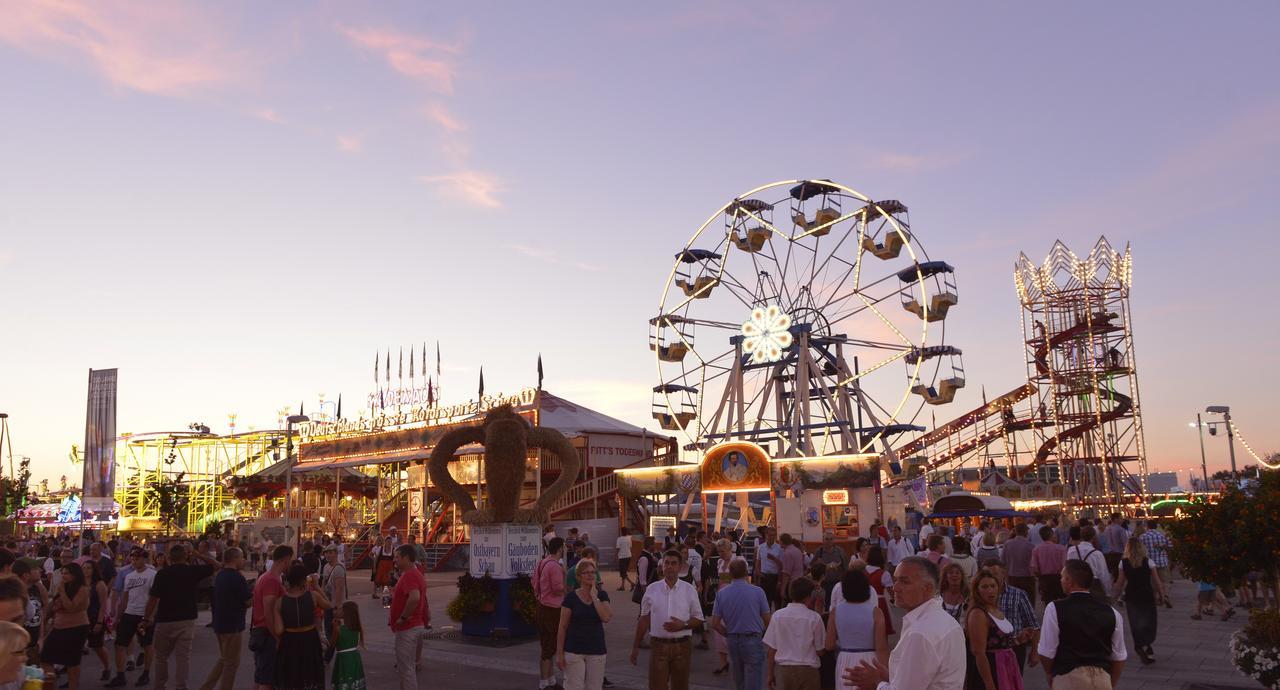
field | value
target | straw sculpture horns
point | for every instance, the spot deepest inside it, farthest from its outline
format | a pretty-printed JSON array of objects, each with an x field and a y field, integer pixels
[{"x": 506, "y": 438}]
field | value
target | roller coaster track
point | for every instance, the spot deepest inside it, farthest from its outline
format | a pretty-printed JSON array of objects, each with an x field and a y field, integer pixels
[{"x": 958, "y": 447}]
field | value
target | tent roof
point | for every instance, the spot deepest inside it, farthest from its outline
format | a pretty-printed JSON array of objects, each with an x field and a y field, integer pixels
[{"x": 572, "y": 419}]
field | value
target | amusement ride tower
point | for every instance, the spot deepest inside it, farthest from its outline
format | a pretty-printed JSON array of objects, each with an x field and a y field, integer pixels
[{"x": 1077, "y": 332}]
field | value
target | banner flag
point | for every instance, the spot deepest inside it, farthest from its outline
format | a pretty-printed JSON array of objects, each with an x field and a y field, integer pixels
[
  {"x": 539, "y": 371},
  {"x": 99, "y": 479}
]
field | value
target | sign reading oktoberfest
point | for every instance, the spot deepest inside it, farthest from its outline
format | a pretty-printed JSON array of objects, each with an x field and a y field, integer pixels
[
  {"x": 735, "y": 466},
  {"x": 505, "y": 550}
]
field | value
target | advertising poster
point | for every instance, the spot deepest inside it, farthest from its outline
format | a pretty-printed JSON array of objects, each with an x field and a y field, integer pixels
[{"x": 99, "y": 479}]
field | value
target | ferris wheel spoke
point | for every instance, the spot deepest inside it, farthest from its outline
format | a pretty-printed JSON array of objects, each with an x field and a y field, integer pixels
[
  {"x": 859, "y": 309},
  {"x": 728, "y": 280},
  {"x": 886, "y": 321},
  {"x": 821, "y": 269},
  {"x": 865, "y": 371}
]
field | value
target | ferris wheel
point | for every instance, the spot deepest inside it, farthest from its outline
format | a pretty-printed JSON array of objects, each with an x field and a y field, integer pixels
[{"x": 806, "y": 318}]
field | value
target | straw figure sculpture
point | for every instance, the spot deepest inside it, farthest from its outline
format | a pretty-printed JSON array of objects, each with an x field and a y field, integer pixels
[{"x": 507, "y": 438}]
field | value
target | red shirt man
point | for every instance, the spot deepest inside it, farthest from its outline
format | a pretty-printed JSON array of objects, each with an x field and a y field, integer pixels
[{"x": 411, "y": 580}]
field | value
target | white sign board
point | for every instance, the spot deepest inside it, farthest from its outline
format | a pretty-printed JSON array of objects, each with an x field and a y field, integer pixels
[
  {"x": 524, "y": 549},
  {"x": 659, "y": 524},
  {"x": 504, "y": 551}
]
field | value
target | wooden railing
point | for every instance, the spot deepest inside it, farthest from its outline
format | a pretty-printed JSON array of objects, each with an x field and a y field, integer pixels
[{"x": 582, "y": 492}]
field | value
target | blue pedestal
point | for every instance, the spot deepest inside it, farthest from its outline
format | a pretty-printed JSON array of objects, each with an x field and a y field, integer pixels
[{"x": 503, "y": 621}]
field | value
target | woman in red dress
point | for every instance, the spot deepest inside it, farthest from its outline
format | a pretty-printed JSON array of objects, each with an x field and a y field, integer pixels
[{"x": 882, "y": 583}]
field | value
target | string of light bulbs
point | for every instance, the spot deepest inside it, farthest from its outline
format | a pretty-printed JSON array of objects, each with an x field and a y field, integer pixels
[{"x": 1236, "y": 430}]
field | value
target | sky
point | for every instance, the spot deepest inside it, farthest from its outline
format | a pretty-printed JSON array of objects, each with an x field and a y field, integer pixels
[{"x": 237, "y": 204}]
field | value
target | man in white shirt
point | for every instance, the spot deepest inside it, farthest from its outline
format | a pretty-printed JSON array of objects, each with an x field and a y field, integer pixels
[
  {"x": 669, "y": 613},
  {"x": 930, "y": 654},
  {"x": 131, "y": 609},
  {"x": 899, "y": 548},
  {"x": 1033, "y": 530},
  {"x": 624, "y": 558},
  {"x": 1089, "y": 651},
  {"x": 926, "y": 529},
  {"x": 1082, "y": 549},
  {"x": 794, "y": 636},
  {"x": 769, "y": 565}
]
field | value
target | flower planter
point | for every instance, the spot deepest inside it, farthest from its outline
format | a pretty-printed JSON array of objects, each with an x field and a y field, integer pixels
[
  {"x": 1260, "y": 662},
  {"x": 500, "y": 619}
]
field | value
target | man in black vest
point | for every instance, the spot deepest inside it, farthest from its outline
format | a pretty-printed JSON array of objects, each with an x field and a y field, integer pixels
[{"x": 1081, "y": 637}]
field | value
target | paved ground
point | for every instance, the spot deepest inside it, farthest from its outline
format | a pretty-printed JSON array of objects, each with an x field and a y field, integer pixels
[{"x": 1190, "y": 654}]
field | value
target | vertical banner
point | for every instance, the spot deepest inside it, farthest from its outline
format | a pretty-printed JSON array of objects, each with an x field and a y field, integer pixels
[{"x": 100, "y": 443}]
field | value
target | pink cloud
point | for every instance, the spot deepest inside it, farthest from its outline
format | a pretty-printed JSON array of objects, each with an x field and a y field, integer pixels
[
  {"x": 353, "y": 143},
  {"x": 164, "y": 48},
  {"x": 444, "y": 118},
  {"x": 902, "y": 161},
  {"x": 418, "y": 58},
  {"x": 269, "y": 115},
  {"x": 470, "y": 186},
  {"x": 1229, "y": 165}
]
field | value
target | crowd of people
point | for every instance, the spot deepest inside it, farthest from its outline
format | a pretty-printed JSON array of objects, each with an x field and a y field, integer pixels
[
  {"x": 779, "y": 615},
  {"x": 770, "y": 611},
  {"x": 68, "y": 597}
]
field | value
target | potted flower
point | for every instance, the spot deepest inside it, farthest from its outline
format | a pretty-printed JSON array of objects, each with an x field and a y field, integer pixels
[{"x": 1255, "y": 649}]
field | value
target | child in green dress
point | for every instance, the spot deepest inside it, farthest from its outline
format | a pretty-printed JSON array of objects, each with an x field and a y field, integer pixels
[{"x": 348, "y": 670}]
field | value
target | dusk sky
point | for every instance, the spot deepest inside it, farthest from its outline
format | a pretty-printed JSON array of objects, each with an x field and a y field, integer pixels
[{"x": 236, "y": 204}]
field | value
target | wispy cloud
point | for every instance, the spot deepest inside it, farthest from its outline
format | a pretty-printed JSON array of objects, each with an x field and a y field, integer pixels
[
  {"x": 441, "y": 116},
  {"x": 351, "y": 143},
  {"x": 469, "y": 186},
  {"x": 162, "y": 48},
  {"x": 269, "y": 115},
  {"x": 902, "y": 161},
  {"x": 429, "y": 62},
  {"x": 1228, "y": 165},
  {"x": 552, "y": 257}
]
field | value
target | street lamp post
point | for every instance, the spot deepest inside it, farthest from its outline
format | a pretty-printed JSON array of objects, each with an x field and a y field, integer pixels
[
  {"x": 1225, "y": 411},
  {"x": 1204, "y": 471},
  {"x": 288, "y": 468}
]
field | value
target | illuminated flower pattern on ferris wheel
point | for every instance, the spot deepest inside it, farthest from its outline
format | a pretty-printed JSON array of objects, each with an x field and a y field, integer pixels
[{"x": 767, "y": 334}]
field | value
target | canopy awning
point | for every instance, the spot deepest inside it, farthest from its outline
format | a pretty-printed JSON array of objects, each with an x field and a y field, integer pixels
[{"x": 964, "y": 504}]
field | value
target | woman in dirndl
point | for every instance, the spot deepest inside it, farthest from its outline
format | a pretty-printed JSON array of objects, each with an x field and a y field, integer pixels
[
  {"x": 992, "y": 664},
  {"x": 383, "y": 564},
  {"x": 856, "y": 626},
  {"x": 299, "y": 659},
  {"x": 882, "y": 582},
  {"x": 348, "y": 636}
]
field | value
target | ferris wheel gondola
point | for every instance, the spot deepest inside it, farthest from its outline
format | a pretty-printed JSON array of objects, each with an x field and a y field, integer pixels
[{"x": 798, "y": 324}]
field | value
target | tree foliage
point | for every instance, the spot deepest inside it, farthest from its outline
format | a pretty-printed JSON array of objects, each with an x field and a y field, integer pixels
[
  {"x": 1246, "y": 472},
  {"x": 172, "y": 499},
  {"x": 15, "y": 492},
  {"x": 1222, "y": 542}
]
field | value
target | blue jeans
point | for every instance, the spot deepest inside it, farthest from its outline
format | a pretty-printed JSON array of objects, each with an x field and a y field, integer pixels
[{"x": 746, "y": 661}]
